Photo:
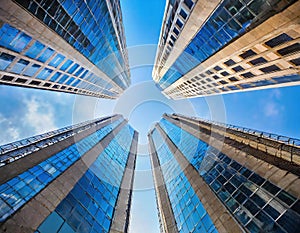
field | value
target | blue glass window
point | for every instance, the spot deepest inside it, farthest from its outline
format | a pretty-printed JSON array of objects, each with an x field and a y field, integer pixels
[
  {"x": 66, "y": 65},
  {"x": 44, "y": 74},
  {"x": 55, "y": 77},
  {"x": 20, "y": 42},
  {"x": 7, "y": 34},
  {"x": 46, "y": 55},
  {"x": 63, "y": 79},
  {"x": 5, "y": 60},
  {"x": 70, "y": 81},
  {"x": 73, "y": 68},
  {"x": 55, "y": 62},
  {"x": 34, "y": 50},
  {"x": 76, "y": 83},
  {"x": 19, "y": 66},
  {"x": 30, "y": 71}
]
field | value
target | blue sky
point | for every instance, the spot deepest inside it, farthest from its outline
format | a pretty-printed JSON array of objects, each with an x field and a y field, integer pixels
[{"x": 26, "y": 112}]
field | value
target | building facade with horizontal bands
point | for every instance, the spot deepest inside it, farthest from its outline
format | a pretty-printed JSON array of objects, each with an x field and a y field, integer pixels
[
  {"x": 76, "y": 179},
  {"x": 212, "y": 47},
  {"x": 64, "y": 45},
  {"x": 213, "y": 177}
]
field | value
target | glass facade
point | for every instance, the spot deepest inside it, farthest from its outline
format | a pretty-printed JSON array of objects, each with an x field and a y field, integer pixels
[
  {"x": 16, "y": 150},
  {"x": 231, "y": 19},
  {"x": 256, "y": 203},
  {"x": 88, "y": 27},
  {"x": 44, "y": 63},
  {"x": 89, "y": 207},
  {"x": 189, "y": 213},
  {"x": 19, "y": 190}
]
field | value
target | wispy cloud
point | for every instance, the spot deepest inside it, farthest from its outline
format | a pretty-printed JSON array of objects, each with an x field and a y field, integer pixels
[
  {"x": 272, "y": 106},
  {"x": 271, "y": 109},
  {"x": 9, "y": 131},
  {"x": 40, "y": 116}
]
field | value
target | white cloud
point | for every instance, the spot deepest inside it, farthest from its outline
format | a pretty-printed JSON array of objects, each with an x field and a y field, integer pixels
[
  {"x": 271, "y": 109},
  {"x": 40, "y": 116},
  {"x": 275, "y": 93},
  {"x": 8, "y": 131}
]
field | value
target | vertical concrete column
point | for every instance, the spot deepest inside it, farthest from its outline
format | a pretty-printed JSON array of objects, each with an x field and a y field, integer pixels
[
  {"x": 164, "y": 205},
  {"x": 32, "y": 214},
  {"x": 120, "y": 221},
  {"x": 222, "y": 219}
]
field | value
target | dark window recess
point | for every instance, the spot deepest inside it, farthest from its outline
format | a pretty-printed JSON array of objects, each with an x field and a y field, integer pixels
[
  {"x": 188, "y": 3},
  {"x": 233, "y": 79},
  {"x": 296, "y": 61},
  {"x": 247, "y": 75},
  {"x": 7, "y": 57},
  {"x": 33, "y": 82},
  {"x": 270, "y": 69},
  {"x": 176, "y": 31},
  {"x": 179, "y": 23},
  {"x": 183, "y": 14},
  {"x": 258, "y": 61},
  {"x": 238, "y": 68},
  {"x": 223, "y": 82},
  {"x": 70, "y": 88},
  {"x": 290, "y": 49},
  {"x": 76, "y": 89},
  {"x": 296, "y": 207},
  {"x": 216, "y": 77},
  {"x": 170, "y": 43},
  {"x": 7, "y": 78},
  {"x": 286, "y": 197},
  {"x": 24, "y": 3},
  {"x": 41, "y": 14},
  {"x": 225, "y": 73},
  {"x": 173, "y": 38},
  {"x": 56, "y": 86},
  {"x": 47, "y": 84},
  {"x": 230, "y": 62},
  {"x": 217, "y": 68},
  {"x": 63, "y": 87},
  {"x": 209, "y": 72},
  {"x": 248, "y": 53},
  {"x": 257, "y": 179},
  {"x": 271, "y": 188},
  {"x": 289, "y": 221},
  {"x": 21, "y": 80},
  {"x": 32, "y": 7},
  {"x": 278, "y": 40}
]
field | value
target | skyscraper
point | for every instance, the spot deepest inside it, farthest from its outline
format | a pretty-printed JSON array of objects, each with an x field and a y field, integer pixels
[
  {"x": 213, "y": 47},
  {"x": 213, "y": 177},
  {"x": 64, "y": 45},
  {"x": 76, "y": 179}
]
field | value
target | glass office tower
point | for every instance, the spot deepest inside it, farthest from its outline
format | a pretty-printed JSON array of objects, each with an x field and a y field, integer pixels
[
  {"x": 213, "y": 177},
  {"x": 207, "y": 48},
  {"x": 75, "y": 179},
  {"x": 64, "y": 45}
]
